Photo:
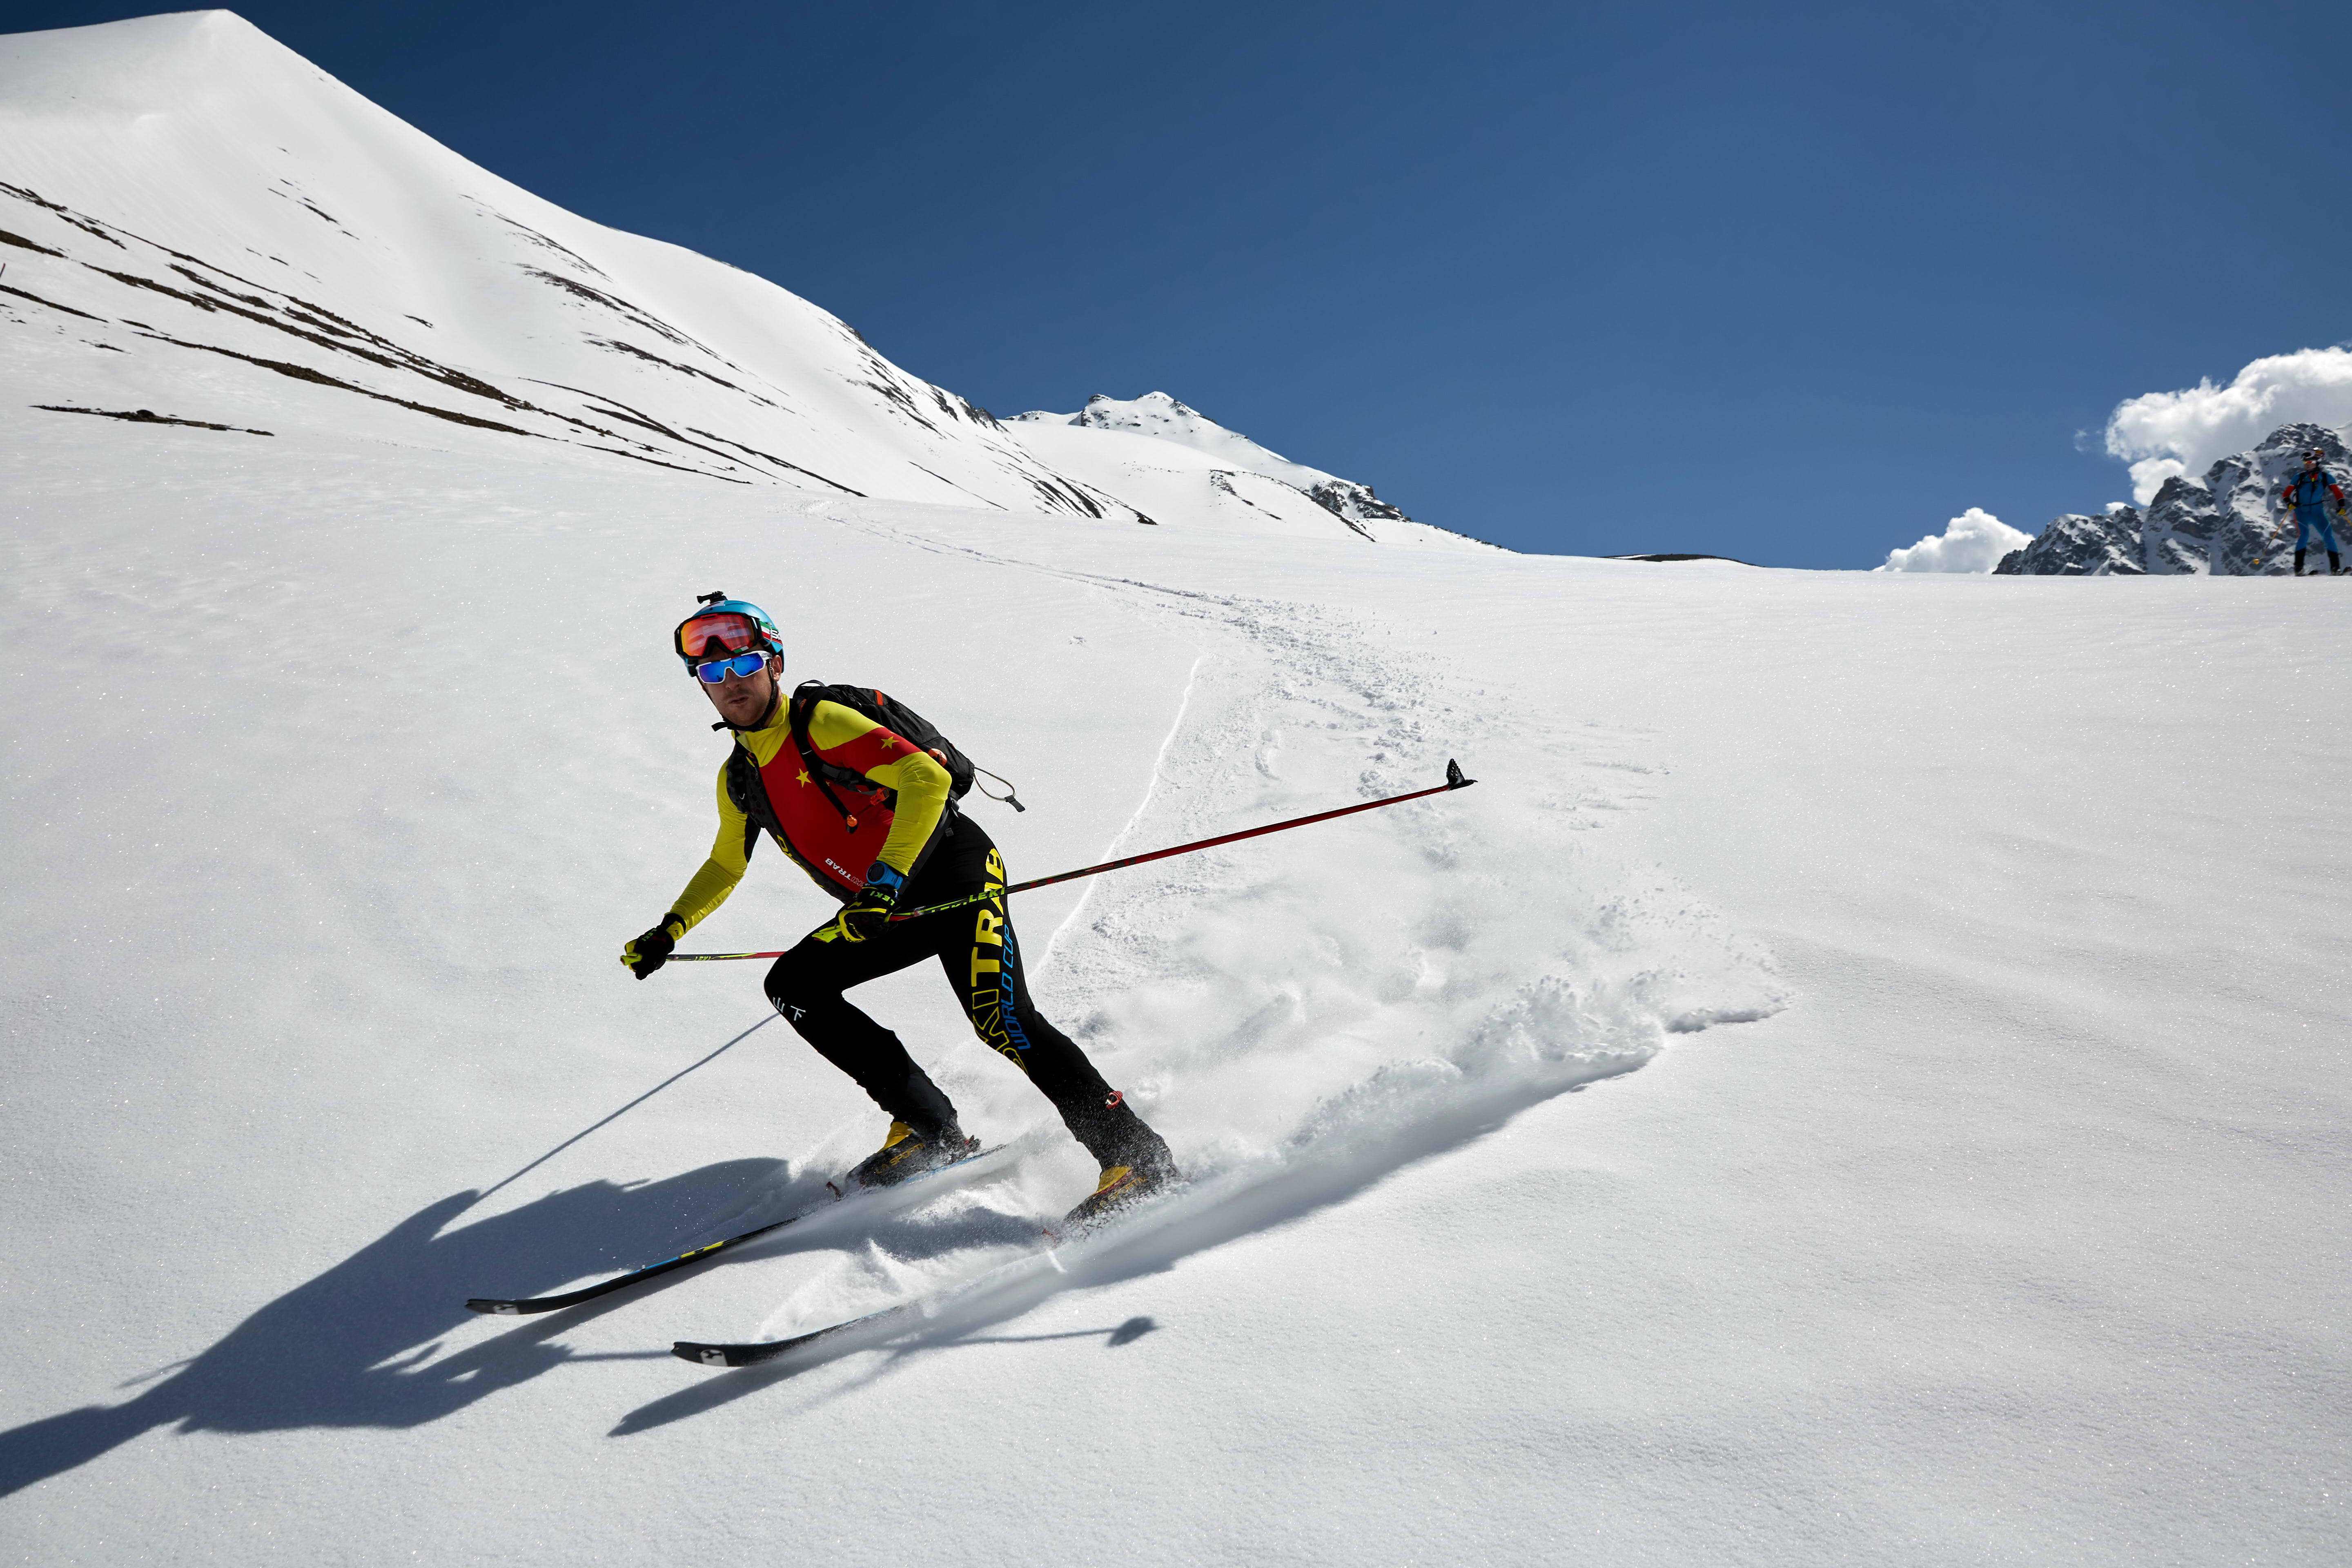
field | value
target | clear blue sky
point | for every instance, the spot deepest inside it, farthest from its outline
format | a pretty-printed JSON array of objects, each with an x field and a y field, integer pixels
[{"x": 1790, "y": 283}]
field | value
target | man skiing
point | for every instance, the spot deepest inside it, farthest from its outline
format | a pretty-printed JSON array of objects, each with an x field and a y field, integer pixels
[
  {"x": 2309, "y": 493},
  {"x": 869, "y": 815}
]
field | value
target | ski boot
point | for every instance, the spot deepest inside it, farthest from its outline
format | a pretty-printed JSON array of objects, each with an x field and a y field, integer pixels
[
  {"x": 2335, "y": 564},
  {"x": 1137, "y": 1166},
  {"x": 906, "y": 1153},
  {"x": 2298, "y": 563}
]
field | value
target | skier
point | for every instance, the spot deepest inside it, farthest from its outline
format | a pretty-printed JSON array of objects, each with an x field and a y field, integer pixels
[
  {"x": 2309, "y": 493},
  {"x": 868, "y": 815}
]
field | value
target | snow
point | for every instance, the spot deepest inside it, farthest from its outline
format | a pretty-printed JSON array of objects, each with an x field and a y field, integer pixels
[
  {"x": 1161, "y": 417},
  {"x": 188, "y": 199},
  {"x": 1153, "y": 452},
  {"x": 1861, "y": 1078}
]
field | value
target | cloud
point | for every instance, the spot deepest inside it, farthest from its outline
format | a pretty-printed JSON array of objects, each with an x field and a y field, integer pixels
[
  {"x": 2161, "y": 433},
  {"x": 1973, "y": 542}
]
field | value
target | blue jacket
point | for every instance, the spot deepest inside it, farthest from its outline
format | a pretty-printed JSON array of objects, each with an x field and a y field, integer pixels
[{"x": 2309, "y": 490}]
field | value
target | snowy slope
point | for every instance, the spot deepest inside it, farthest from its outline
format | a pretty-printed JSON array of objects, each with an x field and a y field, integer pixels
[
  {"x": 1173, "y": 462},
  {"x": 1857, "y": 1080},
  {"x": 200, "y": 224},
  {"x": 2016, "y": 1238}
]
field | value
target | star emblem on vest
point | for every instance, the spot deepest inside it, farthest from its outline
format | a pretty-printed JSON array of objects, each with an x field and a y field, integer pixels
[{"x": 804, "y": 778}]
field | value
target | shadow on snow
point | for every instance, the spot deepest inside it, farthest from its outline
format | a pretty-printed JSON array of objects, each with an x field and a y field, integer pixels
[
  {"x": 351, "y": 1347},
  {"x": 344, "y": 1349},
  {"x": 1219, "y": 1209}
]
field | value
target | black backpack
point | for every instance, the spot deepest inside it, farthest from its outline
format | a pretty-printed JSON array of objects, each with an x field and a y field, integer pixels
[{"x": 892, "y": 715}]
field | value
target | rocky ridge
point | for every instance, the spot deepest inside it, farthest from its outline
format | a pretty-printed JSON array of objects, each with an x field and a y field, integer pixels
[
  {"x": 2226, "y": 524},
  {"x": 1163, "y": 417}
]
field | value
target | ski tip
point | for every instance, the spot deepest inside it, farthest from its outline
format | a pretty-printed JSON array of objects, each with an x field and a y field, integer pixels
[
  {"x": 495, "y": 1309},
  {"x": 701, "y": 1354},
  {"x": 1454, "y": 779}
]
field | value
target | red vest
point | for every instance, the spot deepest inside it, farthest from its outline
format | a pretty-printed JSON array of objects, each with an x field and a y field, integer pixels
[
  {"x": 783, "y": 798},
  {"x": 829, "y": 849}
]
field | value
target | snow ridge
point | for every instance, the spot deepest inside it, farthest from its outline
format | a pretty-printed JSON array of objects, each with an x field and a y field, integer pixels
[
  {"x": 287, "y": 256},
  {"x": 1221, "y": 469}
]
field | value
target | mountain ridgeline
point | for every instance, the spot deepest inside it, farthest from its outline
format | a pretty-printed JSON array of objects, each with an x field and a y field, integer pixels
[
  {"x": 1167, "y": 460},
  {"x": 202, "y": 231},
  {"x": 2227, "y": 524}
]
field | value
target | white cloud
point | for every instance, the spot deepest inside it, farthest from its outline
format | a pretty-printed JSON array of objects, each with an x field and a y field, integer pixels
[
  {"x": 2161, "y": 433},
  {"x": 1973, "y": 542}
]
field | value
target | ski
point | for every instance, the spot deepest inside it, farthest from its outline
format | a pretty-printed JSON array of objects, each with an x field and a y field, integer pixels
[
  {"x": 752, "y": 1352},
  {"x": 502, "y": 1307}
]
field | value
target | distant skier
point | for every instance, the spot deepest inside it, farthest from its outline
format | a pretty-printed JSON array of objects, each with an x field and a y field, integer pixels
[
  {"x": 2310, "y": 493},
  {"x": 867, "y": 814}
]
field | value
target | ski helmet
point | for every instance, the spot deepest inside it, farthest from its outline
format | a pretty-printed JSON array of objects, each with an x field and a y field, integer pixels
[{"x": 724, "y": 626}]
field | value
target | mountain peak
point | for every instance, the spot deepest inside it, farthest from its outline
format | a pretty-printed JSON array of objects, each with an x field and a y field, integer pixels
[
  {"x": 202, "y": 223},
  {"x": 1159, "y": 414},
  {"x": 1220, "y": 468},
  {"x": 2228, "y": 523},
  {"x": 140, "y": 64}
]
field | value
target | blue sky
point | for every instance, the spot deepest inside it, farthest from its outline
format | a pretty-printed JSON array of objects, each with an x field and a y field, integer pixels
[{"x": 1793, "y": 284}]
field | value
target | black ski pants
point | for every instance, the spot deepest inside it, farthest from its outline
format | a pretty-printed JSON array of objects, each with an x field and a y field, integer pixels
[{"x": 976, "y": 948}]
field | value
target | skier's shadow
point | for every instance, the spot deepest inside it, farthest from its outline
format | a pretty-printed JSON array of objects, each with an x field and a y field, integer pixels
[
  {"x": 345, "y": 1349},
  {"x": 1195, "y": 1223}
]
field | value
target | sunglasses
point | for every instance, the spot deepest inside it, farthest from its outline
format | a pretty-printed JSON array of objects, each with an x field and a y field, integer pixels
[{"x": 718, "y": 670}]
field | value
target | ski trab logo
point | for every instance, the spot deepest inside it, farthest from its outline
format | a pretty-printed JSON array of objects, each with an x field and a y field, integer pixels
[{"x": 993, "y": 1015}]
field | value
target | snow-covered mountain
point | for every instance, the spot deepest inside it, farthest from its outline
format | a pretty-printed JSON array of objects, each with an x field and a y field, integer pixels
[
  {"x": 200, "y": 224},
  {"x": 1165, "y": 459},
  {"x": 2226, "y": 524}
]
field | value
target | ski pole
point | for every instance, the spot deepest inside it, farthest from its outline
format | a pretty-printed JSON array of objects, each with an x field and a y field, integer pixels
[{"x": 1453, "y": 781}]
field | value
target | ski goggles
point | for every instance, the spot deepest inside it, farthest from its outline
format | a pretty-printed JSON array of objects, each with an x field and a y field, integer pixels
[
  {"x": 713, "y": 671},
  {"x": 707, "y": 637}
]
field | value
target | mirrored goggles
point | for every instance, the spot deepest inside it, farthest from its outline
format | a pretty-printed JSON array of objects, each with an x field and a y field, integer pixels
[
  {"x": 718, "y": 670},
  {"x": 710, "y": 635}
]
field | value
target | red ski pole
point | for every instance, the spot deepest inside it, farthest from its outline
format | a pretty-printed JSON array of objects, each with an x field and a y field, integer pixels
[{"x": 1453, "y": 781}]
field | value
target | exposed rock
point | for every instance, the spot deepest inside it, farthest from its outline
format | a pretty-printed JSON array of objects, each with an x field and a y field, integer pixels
[
  {"x": 2228, "y": 524},
  {"x": 1353, "y": 502},
  {"x": 147, "y": 417},
  {"x": 2079, "y": 545},
  {"x": 1165, "y": 418}
]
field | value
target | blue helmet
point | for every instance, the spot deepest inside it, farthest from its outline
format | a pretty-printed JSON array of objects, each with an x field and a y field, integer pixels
[{"x": 724, "y": 626}]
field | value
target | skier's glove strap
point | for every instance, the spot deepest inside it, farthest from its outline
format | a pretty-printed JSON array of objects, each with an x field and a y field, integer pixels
[
  {"x": 650, "y": 951},
  {"x": 867, "y": 914}
]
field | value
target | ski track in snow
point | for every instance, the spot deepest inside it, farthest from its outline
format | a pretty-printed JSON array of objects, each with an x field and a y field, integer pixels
[
  {"x": 1127, "y": 835},
  {"x": 1290, "y": 1061}
]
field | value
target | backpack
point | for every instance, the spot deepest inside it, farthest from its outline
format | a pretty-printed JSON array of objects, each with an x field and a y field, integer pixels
[
  {"x": 892, "y": 715},
  {"x": 2319, "y": 483}
]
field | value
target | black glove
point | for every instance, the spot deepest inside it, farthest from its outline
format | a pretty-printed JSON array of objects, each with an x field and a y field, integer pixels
[
  {"x": 651, "y": 951},
  {"x": 867, "y": 914}
]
